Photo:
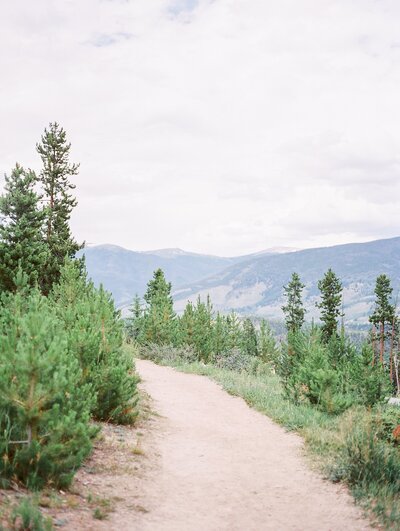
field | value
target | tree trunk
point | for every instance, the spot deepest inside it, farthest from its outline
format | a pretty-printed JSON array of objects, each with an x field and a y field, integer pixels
[
  {"x": 373, "y": 345},
  {"x": 391, "y": 350}
]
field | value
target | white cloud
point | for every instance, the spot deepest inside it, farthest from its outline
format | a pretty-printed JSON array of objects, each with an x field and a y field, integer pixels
[{"x": 220, "y": 126}]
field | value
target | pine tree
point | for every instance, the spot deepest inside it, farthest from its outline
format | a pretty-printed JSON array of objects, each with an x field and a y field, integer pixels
[
  {"x": 59, "y": 201},
  {"x": 186, "y": 325},
  {"x": 384, "y": 313},
  {"x": 21, "y": 238},
  {"x": 330, "y": 305},
  {"x": 203, "y": 329},
  {"x": 220, "y": 341},
  {"x": 267, "y": 349},
  {"x": 159, "y": 318},
  {"x": 134, "y": 325},
  {"x": 234, "y": 330},
  {"x": 293, "y": 309},
  {"x": 248, "y": 338},
  {"x": 95, "y": 338},
  {"x": 44, "y": 408}
]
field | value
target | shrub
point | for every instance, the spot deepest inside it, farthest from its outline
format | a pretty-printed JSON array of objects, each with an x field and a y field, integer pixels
[
  {"x": 367, "y": 460},
  {"x": 309, "y": 375},
  {"x": 95, "y": 338},
  {"x": 368, "y": 383},
  {"x": 27, "y": 517},
  {"x": 168, "y": 353},
  {"x": 44, "y": 409},
  {"x": 236, "y": 360}
]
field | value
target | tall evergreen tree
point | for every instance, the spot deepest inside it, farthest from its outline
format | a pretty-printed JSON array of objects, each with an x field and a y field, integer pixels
[
  {"x": 186, "y": 325},
  {"x": 159, "y": 319},
  {"x": 293, "y": 309},
  {"x": 202, "y": 328},
  {"x": 134, "y": 325},
  {"x": 384, "y": 313},
  {"x": 234, "y": 330},
  {"x": 267, "y": 348},
  {"x": 330, "y": 305},
  {"x": 21, "y": 237},
  {"x": 248, "y": 338},
  {"x": 54, "y": 151},
  {"x": 220, "y": 335}
]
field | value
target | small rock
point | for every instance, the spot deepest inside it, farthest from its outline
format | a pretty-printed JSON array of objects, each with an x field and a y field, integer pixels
[{"x": 60, "y": 522}]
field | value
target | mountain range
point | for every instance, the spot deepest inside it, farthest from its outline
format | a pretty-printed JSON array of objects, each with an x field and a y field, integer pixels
[{"x": 250, "y": 284}]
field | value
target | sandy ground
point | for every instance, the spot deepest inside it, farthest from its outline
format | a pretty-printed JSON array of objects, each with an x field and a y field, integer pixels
[{"x": 224, "y": 466}]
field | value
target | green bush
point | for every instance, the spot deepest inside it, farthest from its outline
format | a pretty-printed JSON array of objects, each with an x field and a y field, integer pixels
[
  {"x": 368, "y": 383},
  {"x": 168, "y": 354},
  {"x": 44, "y": 408},
  {"x": 27, "y": 517},
  {"x": 95, "y": 338},
  {"x": 236, "y": 360},
  {"x": 367, "y": 460},
  {"x": 310, "y": 376}
]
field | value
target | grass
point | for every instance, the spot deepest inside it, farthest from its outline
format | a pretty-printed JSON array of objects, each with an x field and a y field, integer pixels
[
  {"x": 137, "y": 449},
  {"x": 27, "y": 516},
  {"x": 327, "y": 438}
]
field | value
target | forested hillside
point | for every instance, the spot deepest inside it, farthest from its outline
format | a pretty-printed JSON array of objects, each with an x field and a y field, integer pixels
[
  {"x": 249, "y": 284},
  {"x": 255, "y": 286},
  {"x": 125, "y": 273}
]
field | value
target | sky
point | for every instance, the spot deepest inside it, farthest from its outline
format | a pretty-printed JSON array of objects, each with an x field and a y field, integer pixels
[{"x": 216, "y": 126}]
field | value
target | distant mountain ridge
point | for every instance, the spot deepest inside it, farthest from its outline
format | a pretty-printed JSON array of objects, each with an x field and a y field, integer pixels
[
  {"x": 125, "y": 272},
  {"x": 255, "y": 286},
  {"x": 250, "y": 284}
]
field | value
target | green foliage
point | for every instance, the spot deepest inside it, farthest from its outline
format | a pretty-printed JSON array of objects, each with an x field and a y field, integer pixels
[
  {"x": 61, "y": 355},
  {"x": 21, "y": 237},
  {"x": 384, "y": 311},
  {"x": 220, "y": 335},
  {"x": 44, "y": 409},
  {"x": 27, "y": 517},
  {"x": 330, "y": 305},
  {"x": 134, "y": 324},
  {"x": 203, "y": 329},
  {"x": 168, "y": 354},
  {"x": 248, "y": 339},
  {"x": 309, "y": 376},
  {"x": 368, "y": 383},
  {"x": 236, "y": 360},
  {"x": 159, "y": 316},
  {"x": 332, "y": 375},
  {"x": 186, "y": 325},
  {"x": 59, "y": 201},
  {"x": 266, "y": 343},
  {"x": 366, "y": 459},
  {"x": 95, "y": 340},
  {"x": 233, "y": 330},
  {"x": 293, "y": 309},
  {"x": 383, "y": 317},
  {"x": 210, "y": 335}
]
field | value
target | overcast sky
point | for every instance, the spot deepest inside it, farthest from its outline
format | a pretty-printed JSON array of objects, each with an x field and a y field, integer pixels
[{"x": 218, "y": 126}]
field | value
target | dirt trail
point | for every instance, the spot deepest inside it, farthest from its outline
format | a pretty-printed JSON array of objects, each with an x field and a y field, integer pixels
[{"x": 223, "y": 466}]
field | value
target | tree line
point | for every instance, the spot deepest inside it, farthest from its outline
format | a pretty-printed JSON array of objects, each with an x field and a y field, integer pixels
[
  {"x": 317, "y": 363},
  {"x": 210, "y": 336}
]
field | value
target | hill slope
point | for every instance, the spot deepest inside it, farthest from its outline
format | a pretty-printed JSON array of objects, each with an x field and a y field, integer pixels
[
  {"x": 254, "y": 286},
  {"x": 126, "y": 273}
]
